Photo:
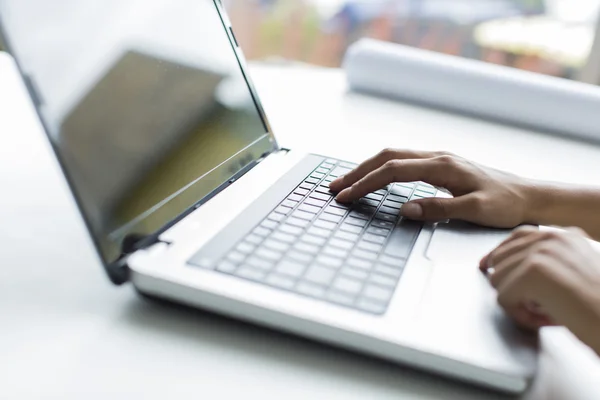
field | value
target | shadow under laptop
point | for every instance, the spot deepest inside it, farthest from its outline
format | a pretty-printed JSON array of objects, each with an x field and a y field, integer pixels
[{"x": 190, "y": 325}]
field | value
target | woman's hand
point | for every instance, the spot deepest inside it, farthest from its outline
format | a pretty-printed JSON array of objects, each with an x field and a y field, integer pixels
[
  {"x": 481, "y": 195},
  {"x": 549, "y": 278}
]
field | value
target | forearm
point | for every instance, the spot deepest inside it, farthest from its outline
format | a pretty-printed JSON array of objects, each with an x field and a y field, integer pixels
[{"x": 564, "y": 205}]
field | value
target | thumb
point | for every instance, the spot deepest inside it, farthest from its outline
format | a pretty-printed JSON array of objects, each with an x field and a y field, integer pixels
[{"x": 436, "y": 209}]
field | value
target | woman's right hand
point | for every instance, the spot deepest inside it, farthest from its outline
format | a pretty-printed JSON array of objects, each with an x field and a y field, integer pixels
[{"x": 482, "y": 195}]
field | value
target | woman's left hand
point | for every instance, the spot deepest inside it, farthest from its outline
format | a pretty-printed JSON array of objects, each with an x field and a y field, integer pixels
[{"x": 549, "y": 278}]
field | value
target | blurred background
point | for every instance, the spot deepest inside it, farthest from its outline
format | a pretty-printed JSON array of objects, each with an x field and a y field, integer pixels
[{"x": 553, "y": 37}]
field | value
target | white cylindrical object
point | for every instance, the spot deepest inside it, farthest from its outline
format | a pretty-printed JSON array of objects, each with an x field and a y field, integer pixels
[{"x": 476, "y": 88}]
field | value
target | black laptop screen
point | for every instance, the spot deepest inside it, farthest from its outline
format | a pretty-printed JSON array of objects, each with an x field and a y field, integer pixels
[{"x": 143, "y": 100}]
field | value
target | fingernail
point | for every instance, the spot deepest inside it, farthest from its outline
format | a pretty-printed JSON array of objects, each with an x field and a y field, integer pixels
[
  {"x": 412, "y": 210},
  {"x": 343, "y": 195}
]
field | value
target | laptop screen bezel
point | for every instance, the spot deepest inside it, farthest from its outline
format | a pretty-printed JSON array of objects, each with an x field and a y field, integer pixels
[{"x": 117, "y": 269}]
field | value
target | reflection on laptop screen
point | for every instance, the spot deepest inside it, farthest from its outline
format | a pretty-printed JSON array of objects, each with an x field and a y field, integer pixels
[{"x": 144, "y": 101}]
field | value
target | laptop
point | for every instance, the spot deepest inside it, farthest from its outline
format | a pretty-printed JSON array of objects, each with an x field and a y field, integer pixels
[{"x": 188, "y": 196}]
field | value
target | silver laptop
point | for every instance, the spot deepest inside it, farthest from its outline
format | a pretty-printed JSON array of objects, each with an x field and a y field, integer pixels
[{"x": 188, "y": 197}]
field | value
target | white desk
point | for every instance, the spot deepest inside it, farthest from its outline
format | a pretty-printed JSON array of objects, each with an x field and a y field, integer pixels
[{"x": 66, "y": 333}]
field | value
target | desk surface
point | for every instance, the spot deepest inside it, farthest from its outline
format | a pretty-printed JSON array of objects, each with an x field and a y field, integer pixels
[{"x": 67, "y": 333}]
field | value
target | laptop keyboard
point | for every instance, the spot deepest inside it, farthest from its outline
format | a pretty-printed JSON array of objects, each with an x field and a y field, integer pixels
[{"x": 352, "y": 255}]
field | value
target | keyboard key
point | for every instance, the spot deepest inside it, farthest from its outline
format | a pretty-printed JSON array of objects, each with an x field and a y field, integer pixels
[
  {"x": 402, "y": 239},
  {"x": 306, "y": 248},
  {"x": 321, "y": 196},
  {"x": 335, "y": 211},
  {"x": 324, "y": 224},
  {"x": 391, "y": 261},
  {"x": 330, "y": 262},
  {"x": 301, "y": 223},
  {"x": 317, "y": 175},
  {"x": 364, "y": 254},
  {"x": 378, "y": 293},
  {"x": 292, "y": 230},
  {"x": 342, "y": 244},
  {"x": 276, "y": 245},
  {"x": 283, "y": 210},
  {"x": 259, "y": 263},
  {"x": 340, "y": 298},
  {"x": 374, "y": 238},
  {"x": 250, "y": 273},
  {"x": 330, "y": 217},
  {"x": 299, "y": 256},
  {"x": 396, "y": 198},
  {"x": 335, "y": 252},
  {"x": 322, "y": 170},
  {"x": 283, "y": 237},
  {"x": 340, "y": 171},
  {"x": 316, "y": 240},
  {"x": 303, "y": 215},
  {"x": 323, "y": 190},
  {"x": 325, "y": 184},
  {"x": 392, "y": 204},
  {"x": 383, "y": 280},
  {"x": 310, "y": 290},
  {"x": 386, "y": 217},
  {"x": 374, "y": 196},
  {"x": 254, "y": 239},
  {"x": 308, "y": 208},
  {"x": 306, "y": 185},
  {"x": 268, "y": 254},
  {"x": 355, "y": 273},
  {"x": 374, "y": 247},
  {"x": 328, "y": 165},
  {"x": 360, "y": 263},
  {"x": 364, "y": 209},
  {"x": 269, "y": 224},
  {"x": 320, "y": 275},
  {"x": 337, "y": 204},
  {"x": 369, "y": 202},
  {"x": 359, "y": 215},
  {"x": 373, "y": 230},
  {"x": 401, "y": 191},
  {"x": 226, "y": 267},
  {"x": 281, "y": 281},
  {"x": 245, "y": 248},
  {"x": 382, "y": 224},
  {"x": 276, "y": 217},
  {"x": 350, "y": 228},
  {"x": 426, "y": 190},
  {"x": 370, "y": 306},
  {"x": 312, "y": 181},
  {"x": 236, "y": 257},
  {"x": 381, "y": 192},
  {"x": 301, "y": 192},
  {"x": 290, "y": 268},
  {"x": 315, "y": 202},
  {"x": 347, "y": 285},
  {"x": 390, "y": 271},
  {"x": 389, "y": 210},
  {"x": 295, "y": 197},
  {"x": 289, "y": 203},
  {"x": 320, "y": 232},
  {"x": 355, "y": 221},
  {"x": 260, "y": 231},
  {"x": 352, "y": 237},
  {"x": 348, "y": 165}
]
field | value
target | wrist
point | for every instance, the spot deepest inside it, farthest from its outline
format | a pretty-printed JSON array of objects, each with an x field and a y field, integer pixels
[{"x": 538, "y": 201}]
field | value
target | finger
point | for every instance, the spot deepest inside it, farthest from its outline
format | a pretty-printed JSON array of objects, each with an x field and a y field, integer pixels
[
  {"x": 518, "y": 244},
  {"x": 525, "y": 230},
  {"x": 528, "y": 320},
  {"x": 428, "y": 170},
  {"x": 506, "y": 267},
  {"x": 438, "y": 209},
  {"x": 373, "y": 163}
]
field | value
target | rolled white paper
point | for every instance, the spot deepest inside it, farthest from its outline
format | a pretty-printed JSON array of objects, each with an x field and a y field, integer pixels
[{"x": 476, "y": 88}]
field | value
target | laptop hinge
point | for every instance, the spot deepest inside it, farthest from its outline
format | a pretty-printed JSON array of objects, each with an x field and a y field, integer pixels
[{"x": 118, "y": 271}]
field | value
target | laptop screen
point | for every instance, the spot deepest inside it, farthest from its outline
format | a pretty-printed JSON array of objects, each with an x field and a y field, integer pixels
[{"x": 144, "y": 101}]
